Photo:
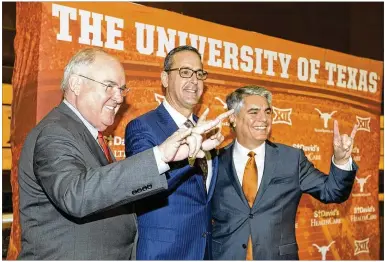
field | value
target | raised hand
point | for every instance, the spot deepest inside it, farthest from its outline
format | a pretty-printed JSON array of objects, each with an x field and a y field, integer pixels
[
  {"x": 213, "y": 140},
  {"x": 176, "y": 147},
  {"x": 204, "y": 126},
  {"x": 343, "y": 145},
  {"x": 211, "y": 130},
  {"x": 187, "y": 143}
]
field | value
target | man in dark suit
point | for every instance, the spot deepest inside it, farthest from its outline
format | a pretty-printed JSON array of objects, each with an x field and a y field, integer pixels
[
  {"x": 74, "y": 198},
  {"x": 175, "y": 225},
  {"x": 260, "y": 184}
]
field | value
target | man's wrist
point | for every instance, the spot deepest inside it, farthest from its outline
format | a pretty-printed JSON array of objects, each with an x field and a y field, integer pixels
[
  {"x": 347, "y": 166},
  {"x": 341, "y": 161},
  {"x": 159, "y": 158}
]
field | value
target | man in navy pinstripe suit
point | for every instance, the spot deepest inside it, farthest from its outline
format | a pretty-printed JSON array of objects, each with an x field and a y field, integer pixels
[{"x": 176, "y": 225}]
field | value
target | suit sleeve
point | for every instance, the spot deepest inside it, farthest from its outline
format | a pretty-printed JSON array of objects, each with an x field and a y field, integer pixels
[
  {"x": 333, "y": 188},
  {"x": 81, "y": 190},
  {"x": 140, "y": 137}
]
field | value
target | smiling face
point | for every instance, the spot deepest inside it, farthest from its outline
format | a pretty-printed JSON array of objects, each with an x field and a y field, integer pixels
[
  {"x": 96, "y": 105},
  {"x": 183, "y": 93},
  {"x": 253, "y": 121}
]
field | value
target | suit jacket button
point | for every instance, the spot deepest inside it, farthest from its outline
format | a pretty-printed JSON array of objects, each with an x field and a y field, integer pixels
[
  {"x": 251, "y": 215},
  {"x": 244, "y": 246},
  {"x": 204, "y": 234}
]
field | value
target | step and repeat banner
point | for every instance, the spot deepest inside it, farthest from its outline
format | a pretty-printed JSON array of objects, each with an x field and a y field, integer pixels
[{"x": 311, "y": 87}]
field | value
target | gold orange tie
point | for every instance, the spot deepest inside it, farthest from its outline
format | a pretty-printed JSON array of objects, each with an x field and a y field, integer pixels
[
  {"x": 250, "y": 187},
  {"x": 104, "y": 147}
]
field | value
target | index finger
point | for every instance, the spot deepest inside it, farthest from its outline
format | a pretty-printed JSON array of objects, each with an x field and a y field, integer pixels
[
  {"x": 211, "y": 124},
  {"x": 225, "y": 115},
  {"x": 354, "y": 131},
  {"x": 336, "y": 131},
  {"x": 206, "y": 126}
]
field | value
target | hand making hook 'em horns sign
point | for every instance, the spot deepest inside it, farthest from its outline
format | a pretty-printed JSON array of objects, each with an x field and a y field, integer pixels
[
  {"x": 204, "y": 129},
  {"x": 212, "y": 134},
  {"x": 343, "y": 144},
  {"x": 189, "y": 142}
]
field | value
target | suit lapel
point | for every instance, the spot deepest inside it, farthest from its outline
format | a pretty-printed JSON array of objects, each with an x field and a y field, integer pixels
[
  {"x": 168, "y": 127},
  {"x": 195, "y": 118},
  {"x": 271, "y": 158},
  {"x": 94, "y": 147},
  {"x": 229, "y": 168},
  {"x": 201, "y": 185},
  {"x": 165, "y": 121},
  {"x": 213, "y": 177},
  {"x": 84, "y": 134}
]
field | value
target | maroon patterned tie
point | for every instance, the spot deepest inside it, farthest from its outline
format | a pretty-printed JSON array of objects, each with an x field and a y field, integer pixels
[{"x": 104, "y": 146}]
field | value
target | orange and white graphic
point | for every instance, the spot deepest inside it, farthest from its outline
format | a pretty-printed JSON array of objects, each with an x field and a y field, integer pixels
[
  {"x": 362, "y": 181},
  {"x": 158, "y": 98},
  {"x": 361, "y": 246},
  {"x": 282, "y": 116},
  {"x": 363, "y": 123},
  {"x": 221, "y": 101},
  {"x": 325, "y": 116},
  {"x": 323, "y": 249},
  {"x": 299, "y": 76}
]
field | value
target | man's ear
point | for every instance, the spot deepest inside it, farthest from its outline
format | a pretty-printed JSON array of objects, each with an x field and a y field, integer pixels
[
  {"x": 74, "y": 83},
  {"x": 164, "y": 79},
  {"x": 232, "y": 120}
]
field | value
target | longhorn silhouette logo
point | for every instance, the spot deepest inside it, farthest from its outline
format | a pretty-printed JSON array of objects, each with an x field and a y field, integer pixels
[
  {"x": 325, "y": 116},
  {"x": 324, "y": 249},
  {"x": 223, "y": 103},
  {"x": 158, "y": 98},
  {"x": 362, "y": 182}
]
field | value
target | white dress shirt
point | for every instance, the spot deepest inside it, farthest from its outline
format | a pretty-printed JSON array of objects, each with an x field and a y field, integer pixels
[
  {"x": 179, "y": 120},
  {"x": 162, "y": 166},
  {"x": 240, "y": 158}
]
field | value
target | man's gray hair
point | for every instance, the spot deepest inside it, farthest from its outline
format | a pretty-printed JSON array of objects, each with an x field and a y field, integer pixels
[
  {"x": 82, "y": 58},
  {"x": 235, "y": 100}
]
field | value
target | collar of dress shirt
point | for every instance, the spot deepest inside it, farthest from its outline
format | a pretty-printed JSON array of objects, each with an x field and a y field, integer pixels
[
  {"x": 91, "y": 128},
  {"x": 178, "y": 118},
  {"x": 243, "y": 151}
]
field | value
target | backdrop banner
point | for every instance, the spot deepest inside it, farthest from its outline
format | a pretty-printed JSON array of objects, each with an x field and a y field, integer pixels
[{"x": 311, "y": 87}]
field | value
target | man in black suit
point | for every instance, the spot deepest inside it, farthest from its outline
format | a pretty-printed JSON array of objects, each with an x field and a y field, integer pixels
[
  {"x": 74, "y": 198},
  {"x": 260, "y": 184}
]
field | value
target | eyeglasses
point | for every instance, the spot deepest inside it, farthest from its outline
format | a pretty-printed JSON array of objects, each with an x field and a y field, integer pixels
[
  {"x": 186, "y": 72},
  {"x": 110, "y": 87}
]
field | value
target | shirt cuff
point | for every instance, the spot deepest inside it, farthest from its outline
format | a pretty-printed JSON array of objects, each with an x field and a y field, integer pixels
[
  {"x": 347, "y": 166},
  {"x": 162, "y": 166}
]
